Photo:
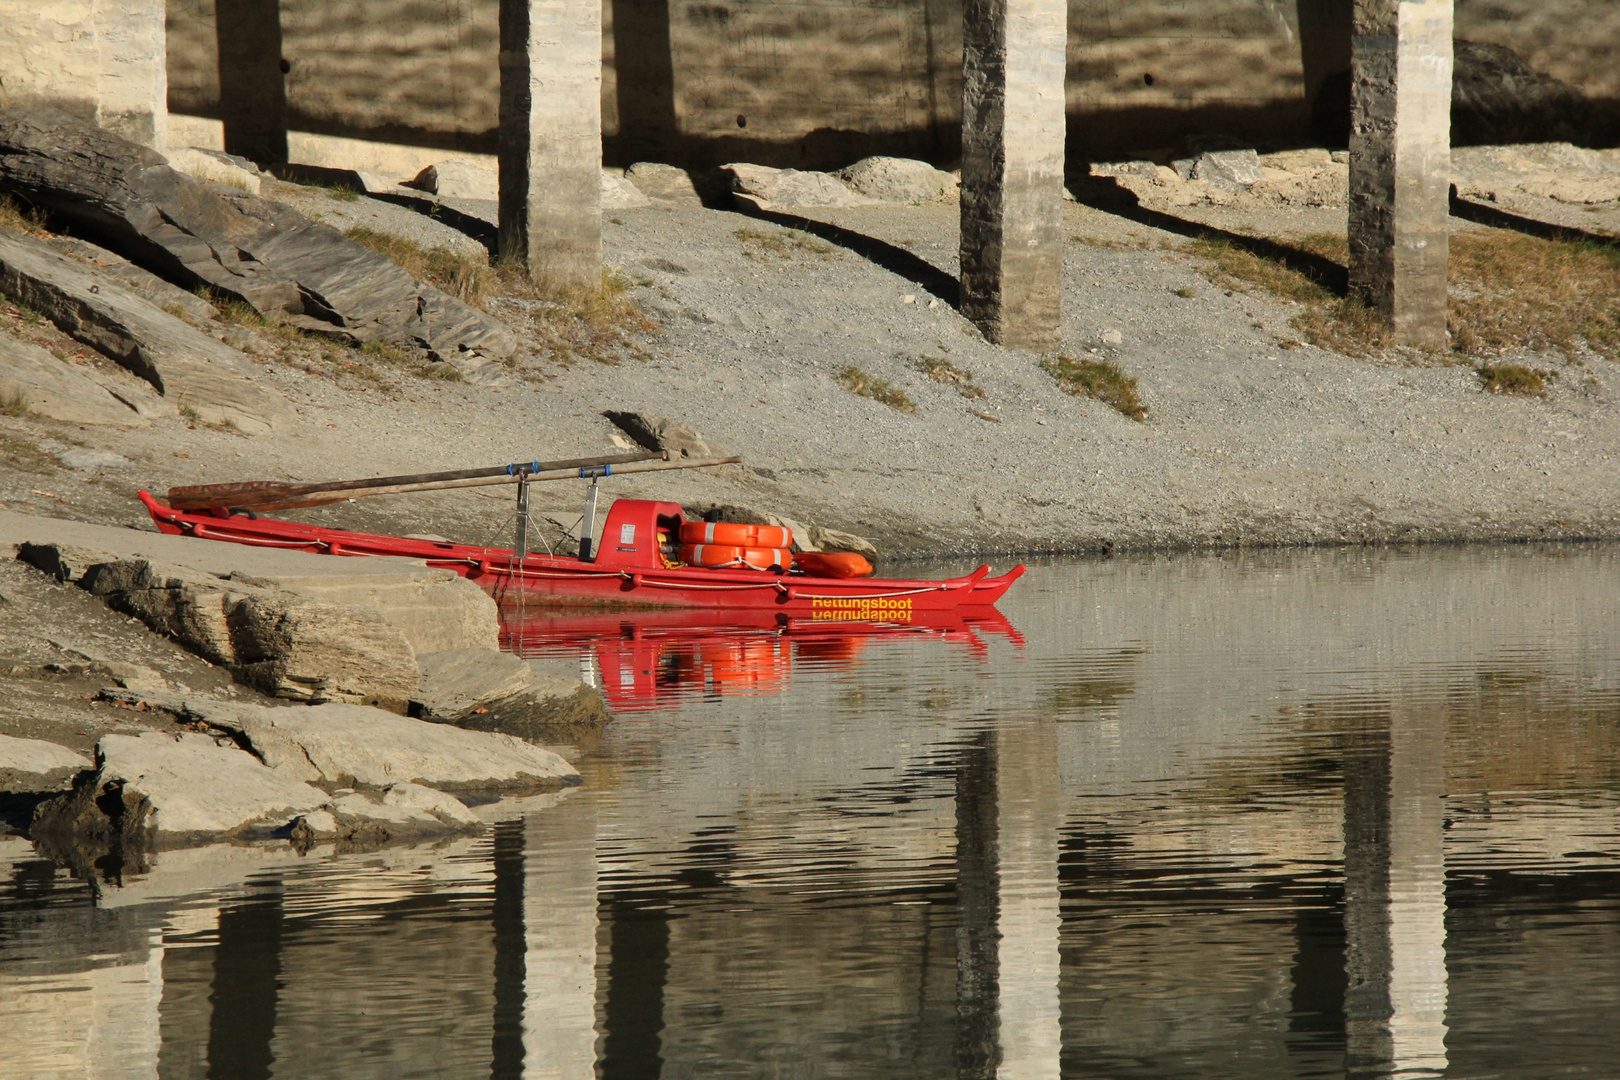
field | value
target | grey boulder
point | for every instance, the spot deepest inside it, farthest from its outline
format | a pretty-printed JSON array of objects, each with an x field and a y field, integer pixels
[
  {"x": 898, "y": 180},
  {"x": 1229, "y": 170},
  {"x": 661, "y": 433},
  {"x": 237, "y": 244},
  {"x": 767, "y": 188}
]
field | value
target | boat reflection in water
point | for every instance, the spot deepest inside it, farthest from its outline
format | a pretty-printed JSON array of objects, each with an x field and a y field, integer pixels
[{"x": 644, "y": 660}]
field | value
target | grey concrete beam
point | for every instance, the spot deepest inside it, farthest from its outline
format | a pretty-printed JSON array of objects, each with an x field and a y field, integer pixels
[
  {"x": 1400, "y": 163},
  {"x": 1013, "y": 62},
  {"x": 550, "y": 145}
]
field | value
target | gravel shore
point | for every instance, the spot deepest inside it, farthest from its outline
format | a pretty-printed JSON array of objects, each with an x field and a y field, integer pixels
[{"x": 1251, "y": 437}]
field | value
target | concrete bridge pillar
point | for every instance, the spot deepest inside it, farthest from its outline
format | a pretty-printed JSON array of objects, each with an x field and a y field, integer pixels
[
  {"x": 1400, "y": 163},
  {"x": 550, "y": 141},
  {"x": 1013, "y": 63}
]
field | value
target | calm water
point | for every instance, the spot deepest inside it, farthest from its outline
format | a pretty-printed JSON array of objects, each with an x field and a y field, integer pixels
[{"x": 1342, "y": 814}]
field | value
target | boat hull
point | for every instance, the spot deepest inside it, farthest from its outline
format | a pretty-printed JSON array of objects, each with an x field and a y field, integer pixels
[{"x": 499, "y": 572}]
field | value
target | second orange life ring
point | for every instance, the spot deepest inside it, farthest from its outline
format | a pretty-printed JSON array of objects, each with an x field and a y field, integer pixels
[
  {"x": 833, "y": 564},
  {"x": 730, "y": 532},
  {"x": 739, "y": 557}
]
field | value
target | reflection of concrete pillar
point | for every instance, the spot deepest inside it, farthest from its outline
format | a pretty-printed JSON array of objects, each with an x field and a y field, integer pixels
[
  {"x": 550, "y": 144},
  {"x": 1007, "y": 818},
  {"x": 1395, "y": 898},
  {"x": 100, "y": 1022},
  {"x": 559, "y": 927},
  {"x": 247, "y": 978},
  {"x": 1400, "y": 163},
  {"x": 1013, "y": 63},
  {"x": 1028, "y": 817},
  {"x": 252, "y": 79}
]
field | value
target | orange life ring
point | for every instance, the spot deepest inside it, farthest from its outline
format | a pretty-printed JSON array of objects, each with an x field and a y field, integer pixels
[
  {"x": 833, "y": 564},
  {"x": 729, "y": 532},
  {"x": 736, "y": 556}
]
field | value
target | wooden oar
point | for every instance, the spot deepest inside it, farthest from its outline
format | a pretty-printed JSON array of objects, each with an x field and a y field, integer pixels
[
  {"x": 261, "y": 494},
  {"x": 327, "y": 498}
]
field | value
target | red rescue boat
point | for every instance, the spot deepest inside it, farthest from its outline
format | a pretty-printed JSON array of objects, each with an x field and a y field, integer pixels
[{"x": 631, "y": 565}]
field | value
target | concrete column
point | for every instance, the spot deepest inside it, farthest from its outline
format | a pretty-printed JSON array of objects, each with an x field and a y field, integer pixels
[
  {"x": 1400, "y": 163},
  {"x": 1395, "y": 900},
  {"x": 105, "y": 60},
  {"x": 551, "y": 140},
  {"x": 1013, "y": 62},
  {"x": 252, "y": 81}
]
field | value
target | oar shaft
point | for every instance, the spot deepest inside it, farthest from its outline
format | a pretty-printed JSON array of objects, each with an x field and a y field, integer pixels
[
  {"x": 260, "y": 494},
  {"x": 327, "y": 498}
]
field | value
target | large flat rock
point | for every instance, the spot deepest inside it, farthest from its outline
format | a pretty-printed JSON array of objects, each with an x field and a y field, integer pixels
[
  {"x": 434, "y": 609},
  {"x": 181, "y": 362},
  {"x": 157, "y": 786},
  {"x": 305, "y": 627},
  {"x": 196, "y": 233},
  {"x": 57, "y": 390},
  {"x": 36, "y": 765},
  {"x": 493, "y": 691},
  {"x": 162, "y": 788},
  {"x": 351, "y": 744}
]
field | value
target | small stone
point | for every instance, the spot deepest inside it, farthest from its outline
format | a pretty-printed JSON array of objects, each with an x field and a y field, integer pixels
[
  {"x": 1340, "y": 157},
  {"x": 1230, "y": 170},
  {"x": 908, "y": 299},
  {"x": 81, "y": 458},
  {"x": 1112, "y": 337},
  {"x": 932, "y": 304}
]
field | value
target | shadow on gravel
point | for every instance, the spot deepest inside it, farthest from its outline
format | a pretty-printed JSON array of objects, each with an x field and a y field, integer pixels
[
  {"x": 897, "y": 260},
  {"x": 1480, "y": 214},
  {"x": 1103, "y": 193},
  {"x": 475, "y": 227}
]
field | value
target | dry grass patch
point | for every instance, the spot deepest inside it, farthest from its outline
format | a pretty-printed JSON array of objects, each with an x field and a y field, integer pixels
[
  {"x": 29, "y": 220},
  {"x": 1100, "y": 379},
  {"x": 867, "y": 385},
  {"x": 943, "y": 371},
  {"x": 569, "y": 324},
  {"x": 1525, "y": 292},
  {"x": 1515, "y": 379},
  {"x": 1510, "y": 291},
  {"x": 765, "y": 247},
  {"x": 14, "y": 404}
]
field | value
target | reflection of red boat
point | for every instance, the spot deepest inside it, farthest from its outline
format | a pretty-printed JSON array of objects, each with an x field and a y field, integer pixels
[
  {"x": 629, "y": 568},
  {"x": 649, "y": 658}
]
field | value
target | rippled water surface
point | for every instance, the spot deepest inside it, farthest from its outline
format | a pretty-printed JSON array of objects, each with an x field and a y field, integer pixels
[{"x": 1320, "y": 814}]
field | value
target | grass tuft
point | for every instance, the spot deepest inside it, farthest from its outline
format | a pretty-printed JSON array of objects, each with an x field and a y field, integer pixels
[
  {"x": 18, "y": 219},
  {"x": 339, "y": 193},
  {"x": 943, "y": 371},
  {"x": 14, "y": 404},
  {"x": 866, "y": 385},
  {"x": 764, "y": 247},
  {"x": 1100, "y": 379},
  {"x": 466, "y": 277},
  {"x": 1514, "y": 379}
]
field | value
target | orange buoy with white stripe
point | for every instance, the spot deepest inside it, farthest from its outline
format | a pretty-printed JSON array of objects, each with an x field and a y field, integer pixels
[
  {"x": 833, "y": 564},
  {"x": 730, "y": 532},
  {"x": 736, "y": 556}
]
